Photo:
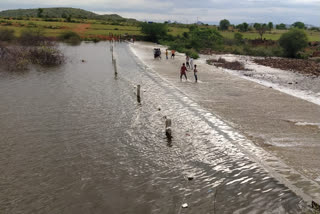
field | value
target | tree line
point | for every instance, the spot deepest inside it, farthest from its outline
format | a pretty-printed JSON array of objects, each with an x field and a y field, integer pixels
[{"x": 244, "y": 27}]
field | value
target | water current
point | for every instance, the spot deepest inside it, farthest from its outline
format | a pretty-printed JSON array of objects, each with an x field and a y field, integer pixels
[{"x": 73, "y": 139}]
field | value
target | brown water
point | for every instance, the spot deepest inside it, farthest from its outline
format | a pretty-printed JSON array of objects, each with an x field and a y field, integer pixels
[{"x": 74, "y": 140}]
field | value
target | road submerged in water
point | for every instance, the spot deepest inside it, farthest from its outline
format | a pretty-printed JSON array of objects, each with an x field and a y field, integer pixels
[{"x": 73, "y": 139}]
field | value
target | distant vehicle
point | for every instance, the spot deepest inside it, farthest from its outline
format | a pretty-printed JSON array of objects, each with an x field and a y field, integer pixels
[{"x": 157, "y": 53}]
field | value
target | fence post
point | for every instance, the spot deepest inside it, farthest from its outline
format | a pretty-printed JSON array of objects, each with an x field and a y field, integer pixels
[
  {"x": 168, "y": 128},
  {"x": 138, "y": 93}
]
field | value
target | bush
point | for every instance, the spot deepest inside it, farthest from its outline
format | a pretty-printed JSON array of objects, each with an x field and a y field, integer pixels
[
  {"x": 154, "y": 31},
  {"x": 6, "y": 34},
  {"x": 192, "y": 53},
  {"x": 32, "y": 37},
  {"x": 293, "y": 41},
  {"x": 46, "y": 55},
  {"x": 70, "y": 37},
  {"x": 261, "y": 51},
  {"x": 204, "y": 38},
  {"x": 17, "y": 58},
  {"x": 239, "y": 38},
  {"x": 229, "y": 42}
]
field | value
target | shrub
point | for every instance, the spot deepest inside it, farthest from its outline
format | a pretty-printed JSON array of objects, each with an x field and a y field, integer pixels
[
  {"x": 14, "y": 58},
  {"x": 293, "y": 41},
  {"x": 70, "y": 37},
  {"x": 229, "y": 42},
  {"x": 46, "y": 55},
  {"x": 239, "y": 38},
  {"x": 6, "y": 34},
  {"x": 192, "y": 53},
  {"x": 204, "y": 38},
  {"x": 32, "y": 37},
  {"x": 258, "y": 51},
  {"x": 17, "y": 58}
]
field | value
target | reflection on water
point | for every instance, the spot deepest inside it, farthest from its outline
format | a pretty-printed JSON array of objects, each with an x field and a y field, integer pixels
[{"x": 74, "y": 140}]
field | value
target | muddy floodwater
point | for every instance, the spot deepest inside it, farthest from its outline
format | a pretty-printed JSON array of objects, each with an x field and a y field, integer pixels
[{"x": 73, "y": 139}]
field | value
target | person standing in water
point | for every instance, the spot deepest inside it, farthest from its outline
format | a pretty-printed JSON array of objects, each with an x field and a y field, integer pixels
[
  {"x": 167, "y": 53},
  {"x": 191, "y": 63},
  {"x": 173, "y": 52},
  {"x": 195, "y": 71},
  {"x": 187, "y": 61},
  {"x": 183, "y": 70}
]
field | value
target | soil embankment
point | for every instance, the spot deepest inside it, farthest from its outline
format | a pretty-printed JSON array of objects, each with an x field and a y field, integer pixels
[
  {"x": 308, "y": 67},
  {"x": 81, "y": 28}
]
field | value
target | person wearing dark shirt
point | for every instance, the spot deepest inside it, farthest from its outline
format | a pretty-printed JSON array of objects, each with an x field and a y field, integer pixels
[
  {"x": 195, "y": 71},
  {"x": 183, "y": 70}
]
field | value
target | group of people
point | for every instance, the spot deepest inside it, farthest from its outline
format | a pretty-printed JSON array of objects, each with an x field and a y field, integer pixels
[{"x": 185, "y": 66}]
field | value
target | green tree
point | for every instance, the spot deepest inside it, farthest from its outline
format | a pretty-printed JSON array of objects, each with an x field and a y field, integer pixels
[
  {"x": 281, "y": 26},
  {"x": 64, "y": 15},
  {"x": 243, "y": 27},
  {"x": 69, "y": 18},
  {"x": 293, "y": 41},
  {"x": 261, "y": 29},
  {"x": 224, "y": 24},
  {"x": 204, "y": 38},
  {"x": 154, "y": 31},
  {"x": 240, "y": 27},
  {"x": 270, "y": 26},
  {"x": 299, "y": 25},
  {"x": 40, "y": 13},
  {"x": 255, "y": 25}
]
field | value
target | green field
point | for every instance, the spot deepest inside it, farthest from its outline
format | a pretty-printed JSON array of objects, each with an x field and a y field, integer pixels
[
  {"x": 274, "y": 35},
  {"x": 94, "y": 28},
  {"x": 91, "y": 28}
]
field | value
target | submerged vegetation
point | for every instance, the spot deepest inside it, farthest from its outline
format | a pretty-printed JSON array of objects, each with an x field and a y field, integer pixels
[{"x": 30, "y": 48}]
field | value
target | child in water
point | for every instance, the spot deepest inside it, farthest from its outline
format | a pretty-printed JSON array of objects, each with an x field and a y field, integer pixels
[{"x": 195, "y": 71}]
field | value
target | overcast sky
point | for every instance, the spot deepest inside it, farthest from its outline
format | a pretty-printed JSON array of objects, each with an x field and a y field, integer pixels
[{"x": 188, "y": 11}]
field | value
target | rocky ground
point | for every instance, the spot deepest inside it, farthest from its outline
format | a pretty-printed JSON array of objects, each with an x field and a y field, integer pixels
[
  {"x": 308, "y": 67},
  {"x": 222, "y": 63}
]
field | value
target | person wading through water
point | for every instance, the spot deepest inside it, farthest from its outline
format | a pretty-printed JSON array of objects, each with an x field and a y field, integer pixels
[
  {"x": 187, "y": 61},
  {"x": 183, "y": 70},
  {"x": 195, "y": 71},
  {"x": 173, "y": 53}
]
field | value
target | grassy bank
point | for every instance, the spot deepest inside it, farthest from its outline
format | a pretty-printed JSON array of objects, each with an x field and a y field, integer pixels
[
  {"x": 189, "y": 39},
  {"x": 87, "y": 27}
]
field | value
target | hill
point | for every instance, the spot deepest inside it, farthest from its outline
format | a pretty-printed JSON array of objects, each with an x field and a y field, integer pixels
[{"x": 61, "y": 12}]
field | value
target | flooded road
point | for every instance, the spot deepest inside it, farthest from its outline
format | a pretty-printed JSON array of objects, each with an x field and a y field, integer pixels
[{"x": 74, "y": 140}]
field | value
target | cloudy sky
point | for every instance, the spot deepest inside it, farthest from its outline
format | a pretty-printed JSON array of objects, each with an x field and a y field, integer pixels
[{"x": 188, "y": 11}]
